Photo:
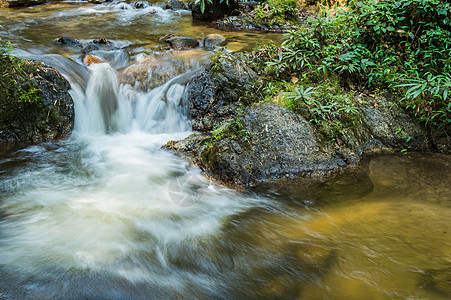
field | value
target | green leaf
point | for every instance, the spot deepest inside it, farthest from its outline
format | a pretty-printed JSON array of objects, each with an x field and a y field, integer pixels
[{"x": 202, "y": 6}]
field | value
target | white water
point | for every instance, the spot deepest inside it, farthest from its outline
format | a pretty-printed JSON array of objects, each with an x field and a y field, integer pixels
[
  {"x": 100, "y": 202},
  {"x": 100, "y": 215}
]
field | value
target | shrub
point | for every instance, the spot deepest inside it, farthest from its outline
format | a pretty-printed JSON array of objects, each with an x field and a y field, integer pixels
[{"x": 402, "y": 46}]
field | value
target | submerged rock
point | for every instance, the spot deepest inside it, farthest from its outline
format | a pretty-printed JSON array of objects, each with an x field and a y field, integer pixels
[
  {"x": 92, "y": 59},
  {"x": 212, "y": 41},
  {"x": 34, "y": 103},
  {"x": 140, "y": 4},
  {"x": 89, "y": 48},
  {"x": 437, "y": 281},
  {"x": 274, "y": 143},
  {"x": 182, "y": 42},
  {"x": 67, "y": 41},
  {"x": 175, "y": 5}
]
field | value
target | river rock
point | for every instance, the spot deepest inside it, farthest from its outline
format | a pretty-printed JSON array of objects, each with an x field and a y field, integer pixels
[
  {"x": 266, "y": 142},
  {"x": 279, "y": 144},
  {"x": 148, "y": 72},
  {"x": 140, "y": 4},
  {"x": 174, "y": 5},
  {"x": 92, "y": 59},
  {"x": 37, "y": 106},
  {"x": 214, "y": 10},
  {"x": 182, "y": 42},
  {"x": 89, "y": 48},
  {"x": 217, "y": 96},
  {"x": 17, "y": 3},
  {"x": 249, "y": 19},
  {"x": 212, "y": 41},
  {"x": 246, "y": 145},
  {"x": 67, "y": 41}
]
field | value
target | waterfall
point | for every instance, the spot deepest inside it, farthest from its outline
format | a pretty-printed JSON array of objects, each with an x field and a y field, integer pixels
[{"x": 107, "y": 106}]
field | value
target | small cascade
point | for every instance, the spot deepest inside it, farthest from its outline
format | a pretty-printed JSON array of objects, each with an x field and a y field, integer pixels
[
  {"x": 164, "y": 109},
  {"x": 108, "y": 106}
]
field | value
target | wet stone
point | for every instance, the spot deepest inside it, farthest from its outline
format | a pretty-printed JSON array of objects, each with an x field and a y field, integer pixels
[
  {"x": 182, "y": 42},
  {"x": 89, "y": 48},
  {"x": 212, "y": 41},
  {"x": 174, "y": 5},
  {"x": 140, "y": 4},
  {"x": 68, "y": 41}
]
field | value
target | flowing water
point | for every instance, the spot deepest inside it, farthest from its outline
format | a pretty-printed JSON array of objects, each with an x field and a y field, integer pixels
[{"x": 108, "y": 214}]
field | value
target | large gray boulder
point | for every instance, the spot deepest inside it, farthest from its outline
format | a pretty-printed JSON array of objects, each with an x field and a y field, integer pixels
[
  {"x": 249, "y": 145},
  {"x": 217, "y": 94},
  {"x": 273, "y": 143},
  {"x": 243, "y": 143},
  {"x": 182, "y": 42},
  {"x": 214, "y": 40},
  {"x": 175, "y": 5}
]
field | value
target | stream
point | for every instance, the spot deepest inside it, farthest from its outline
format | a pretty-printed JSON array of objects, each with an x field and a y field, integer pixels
[{"x": 108, "y": 214}]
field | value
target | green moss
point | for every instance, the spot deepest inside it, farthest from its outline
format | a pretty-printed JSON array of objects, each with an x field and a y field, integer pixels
[
  {"x": 21, "y": 101},
  {"x": 233, "y": 130}
]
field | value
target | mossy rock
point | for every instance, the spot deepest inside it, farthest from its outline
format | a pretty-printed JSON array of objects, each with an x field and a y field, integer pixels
[{"x": 34, "y": 102}]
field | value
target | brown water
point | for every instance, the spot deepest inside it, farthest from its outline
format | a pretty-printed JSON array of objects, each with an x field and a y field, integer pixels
[
  {"x": 93, "y": 217},
  {"x": 37, "y": 28}
]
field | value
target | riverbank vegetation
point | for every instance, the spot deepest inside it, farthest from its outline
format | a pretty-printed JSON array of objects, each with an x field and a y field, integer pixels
[{"x": 326, "y": 67}]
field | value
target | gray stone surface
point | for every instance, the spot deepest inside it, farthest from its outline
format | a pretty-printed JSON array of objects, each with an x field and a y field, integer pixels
[
  {"x": 49, "y": 118},
  {"x": 212, "y": 41}
]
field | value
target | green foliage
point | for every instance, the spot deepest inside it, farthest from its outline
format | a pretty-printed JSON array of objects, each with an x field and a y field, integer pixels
[
  {"x": 401, "y": 46},
  {"x": 302, "y": 95},
  {"x": 325, "y": 107},
  {"x": 428, "y": 99},
  {"x": 276, "y": 12},
  {"x": 232, "y": 130}
]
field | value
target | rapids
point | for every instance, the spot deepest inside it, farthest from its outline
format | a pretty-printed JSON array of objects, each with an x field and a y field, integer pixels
[{"x": 109, "y": 214}]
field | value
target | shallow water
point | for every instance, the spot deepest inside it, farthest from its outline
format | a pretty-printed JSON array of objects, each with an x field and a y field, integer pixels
[
  {"x": 108, "y": 214},
  {"x": 37, "y": 28}
]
